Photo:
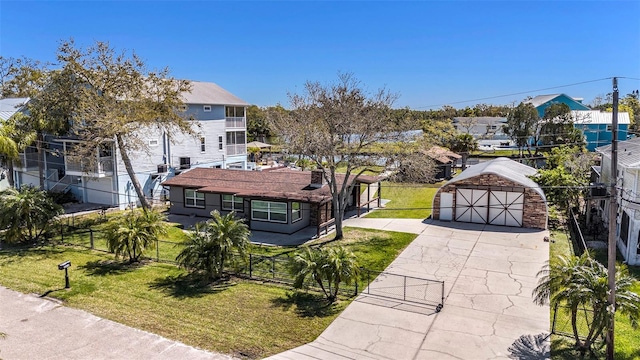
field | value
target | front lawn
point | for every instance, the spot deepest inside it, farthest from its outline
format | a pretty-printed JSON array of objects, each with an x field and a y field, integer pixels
[
  {"x": 243, "y": 318},
  {"x": 407, "y": 201}
]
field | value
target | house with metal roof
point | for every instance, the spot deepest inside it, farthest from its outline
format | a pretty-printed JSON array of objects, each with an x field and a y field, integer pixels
[
  {"x": 10, "y": 106},
  {"x": 221, "y": 142},
  {"x": 595, "y": 125},
  {"x": 542, "y": 102},
  {"x": 628, "y": 194},
  {"x": 281, "y": 201},
  {"x": 496, "y": 192}
]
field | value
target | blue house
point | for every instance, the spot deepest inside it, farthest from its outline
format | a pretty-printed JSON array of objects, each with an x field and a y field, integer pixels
[
  {"x": 542, "y": 102},
  {"x": 595, "y": 125}
]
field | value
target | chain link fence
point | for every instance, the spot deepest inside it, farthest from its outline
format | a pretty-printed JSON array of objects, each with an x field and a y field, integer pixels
[{"x": 561, "y": 324}]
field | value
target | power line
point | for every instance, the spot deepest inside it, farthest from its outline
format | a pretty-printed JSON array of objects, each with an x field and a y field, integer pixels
[{"x": 513, "y": 94}]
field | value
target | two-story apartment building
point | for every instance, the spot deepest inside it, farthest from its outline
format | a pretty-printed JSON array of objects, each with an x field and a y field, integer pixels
[
  {"x": 220, "y": 123},
  {"x": 628, "y": 194}
]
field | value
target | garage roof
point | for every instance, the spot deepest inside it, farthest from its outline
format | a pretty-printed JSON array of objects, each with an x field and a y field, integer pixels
[{"x": 504, "y": 167}]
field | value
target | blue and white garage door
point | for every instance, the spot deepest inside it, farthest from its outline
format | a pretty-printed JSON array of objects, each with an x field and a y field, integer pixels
[{"x": 485, "y": 206}]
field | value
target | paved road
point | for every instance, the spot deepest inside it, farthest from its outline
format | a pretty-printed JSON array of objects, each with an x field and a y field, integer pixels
[
  {"x": 38, "y": 328},
  {"x": 489, "y": 273}
]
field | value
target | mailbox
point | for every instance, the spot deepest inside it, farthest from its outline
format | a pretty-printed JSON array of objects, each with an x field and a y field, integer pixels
[{"x": 64, "y": 265}]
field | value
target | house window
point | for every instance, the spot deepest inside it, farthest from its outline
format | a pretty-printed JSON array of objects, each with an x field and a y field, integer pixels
[
  {"x": 203, "y": 148},
  {"x": 234, "y": 111},
  {"x": 220, "y": 143},
  {"x": 296, "y": 212},
  {"x": 185, "y": 163},
  {"x": 206, "y": 108},
  {"x": 193, "y": 198},
  {"x": 232, "y": 202},
  {"x": 624, "y": 228},
  {"x": 153, "y": 142},
  {"x": 269, "y": 211},
  {"x": 609, "y": 127}
]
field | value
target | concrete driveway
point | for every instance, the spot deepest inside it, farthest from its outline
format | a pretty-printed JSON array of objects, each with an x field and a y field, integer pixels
[{"x": 488, "y": 313}]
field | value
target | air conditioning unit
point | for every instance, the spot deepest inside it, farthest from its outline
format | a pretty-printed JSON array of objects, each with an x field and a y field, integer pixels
[
  {"x": 185, "y": 163},
  {"x": 163, "y": 168},
  {"x": 598, "y": 190}
]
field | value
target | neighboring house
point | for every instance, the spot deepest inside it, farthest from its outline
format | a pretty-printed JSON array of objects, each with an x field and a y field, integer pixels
[
  {"x": 542, "y": 102},
  {"x": 445, "y": 160},
  {"x": 282, "y": 201},
  {"x": 596, "y": 125},
  {"x": 221, "y": 142},
  {"x": 496, "y": 192},
  {"x": 10, "y": 106},
  {"x": 628, "y": 194},
  {"x": 488, "y": 130}
]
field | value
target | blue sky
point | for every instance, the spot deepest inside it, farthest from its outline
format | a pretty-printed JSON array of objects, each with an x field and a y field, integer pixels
[{"x": 430, "y": 52}]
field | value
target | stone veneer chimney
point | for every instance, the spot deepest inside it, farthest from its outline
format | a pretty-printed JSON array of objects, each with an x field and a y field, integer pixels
[{"x": 317, "y": 179}]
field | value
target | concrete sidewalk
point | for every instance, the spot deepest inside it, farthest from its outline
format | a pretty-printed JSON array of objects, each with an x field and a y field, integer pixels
[
  {"x": 488, "y": 312},
  {"x": 39, "y": 328}
]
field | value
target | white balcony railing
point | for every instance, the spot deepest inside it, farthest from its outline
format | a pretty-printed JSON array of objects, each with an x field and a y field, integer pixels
[
  {"x": 236, "y": 149},
  {"x": 236, "y": 122},
  {"x": 103, "y": 167}
]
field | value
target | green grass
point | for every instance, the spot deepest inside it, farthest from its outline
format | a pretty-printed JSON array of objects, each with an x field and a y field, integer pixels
[
  {"x": 244, "y": 318},
  {"x": 626, "y": 338},
  {"x": 407, "y": 201}
]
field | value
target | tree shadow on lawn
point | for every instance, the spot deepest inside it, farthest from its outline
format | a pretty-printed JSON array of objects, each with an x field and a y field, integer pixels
[
  {"x": 190, "y": 285},
  {"x": 307, "y": 304},
  {"x": 16, "y": 253},
  {"x": 110, "y": 267}
]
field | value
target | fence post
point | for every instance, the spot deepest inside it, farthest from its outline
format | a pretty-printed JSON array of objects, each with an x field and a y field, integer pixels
[
  {"x": 91, "y": 238},
  {"x": 61, "y": 232},
  {"x": 250, "y": 266},
  {"x": 404, "y": 295},
  {"x": 368, "y": 282},
  {"x": 273, "y": 267},
  {"x": 157, "y": 250},
  {"x": 356, "y": 293}
]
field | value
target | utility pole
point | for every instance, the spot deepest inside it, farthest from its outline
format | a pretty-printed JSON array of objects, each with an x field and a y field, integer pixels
[{"x": 613, "y": 216}]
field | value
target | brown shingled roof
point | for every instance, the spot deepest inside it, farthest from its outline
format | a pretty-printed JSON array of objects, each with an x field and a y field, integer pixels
[
  {"x": 442, "y": 155},
  {"x": 281, "y": 184}
]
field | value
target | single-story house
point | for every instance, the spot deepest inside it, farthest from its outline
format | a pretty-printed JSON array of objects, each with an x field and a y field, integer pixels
[
  {"x": 496, "y": 192},
  {"x": 445, "y": 160},
  {"x": 281, "y": 201}
]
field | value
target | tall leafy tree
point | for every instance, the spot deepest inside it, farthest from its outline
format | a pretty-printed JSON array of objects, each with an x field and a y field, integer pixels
[
  {"x": 211, "y": 246},
  {"x": 522, "y": 125},
  {"x": 557, "y": 127},
  {"x": 328, "y": 267},
  {"x": 463, "y": 145},
  {"x": 26, "y": 214},
  {"x": 132, "y": 233},
  {"x": 15, "y": 136},
  {"x": 118, "y": 100},
  {"x": 339, "y": 126}
]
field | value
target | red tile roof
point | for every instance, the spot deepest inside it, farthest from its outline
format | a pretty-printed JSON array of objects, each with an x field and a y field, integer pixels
[{"x": 280, "y": 184}]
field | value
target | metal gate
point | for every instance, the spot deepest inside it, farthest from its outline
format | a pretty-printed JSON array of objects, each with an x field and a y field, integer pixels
[
  {"x": 406, "y": 288},
  {"x": 493, "y": 207}
]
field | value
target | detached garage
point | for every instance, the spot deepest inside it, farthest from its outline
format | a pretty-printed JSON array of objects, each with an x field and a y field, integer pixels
[{"x": 496, "y": 192}]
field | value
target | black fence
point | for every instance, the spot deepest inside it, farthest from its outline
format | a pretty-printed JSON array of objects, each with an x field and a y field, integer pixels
[
  {"x": 576, "y": 232},
  {"x": 561, "y": 324},
  {"x": 276, "y": 269}
]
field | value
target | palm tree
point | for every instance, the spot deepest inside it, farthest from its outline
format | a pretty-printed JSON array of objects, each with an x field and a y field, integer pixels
[
  {"x": 211, "y": 245},
  {"x": 328, "y": 267},
  {"x": 131, "y": 234},
  {"x": 582, "y": 281},
  {"x": 555, "y": 285},
  {"x": 26, "y": 213}
]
